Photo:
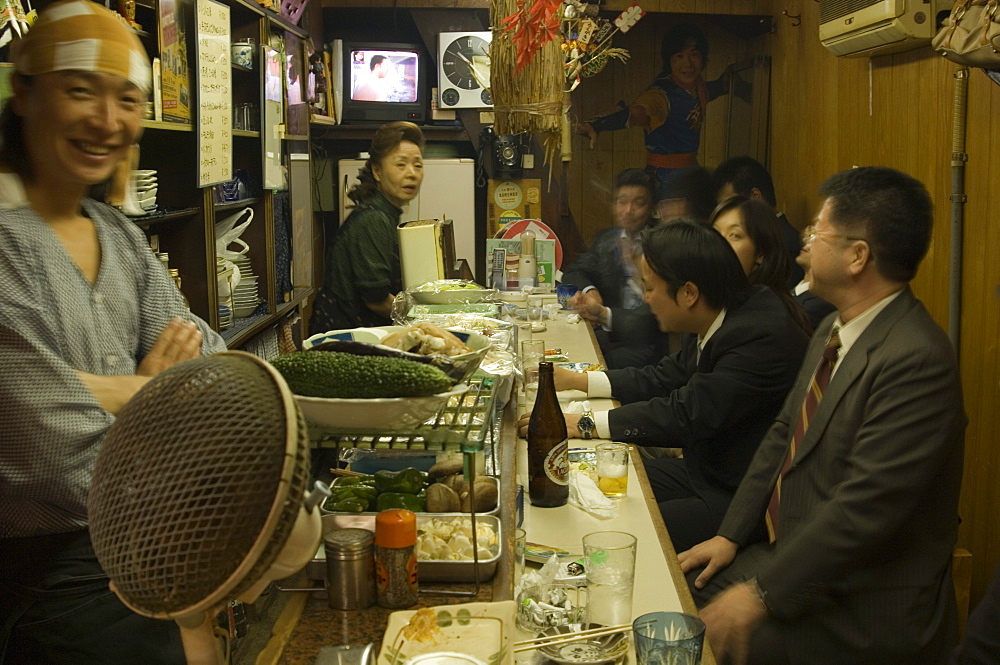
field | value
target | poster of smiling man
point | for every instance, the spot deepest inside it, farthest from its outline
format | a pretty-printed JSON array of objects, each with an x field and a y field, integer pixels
[{"x": 671, "y": 111}]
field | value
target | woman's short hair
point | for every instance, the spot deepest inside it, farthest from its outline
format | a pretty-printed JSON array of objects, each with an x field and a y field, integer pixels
[{"x": 386, "y": 140}]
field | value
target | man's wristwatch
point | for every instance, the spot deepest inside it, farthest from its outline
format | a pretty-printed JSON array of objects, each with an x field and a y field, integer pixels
[{"x": 586, "y": 425}]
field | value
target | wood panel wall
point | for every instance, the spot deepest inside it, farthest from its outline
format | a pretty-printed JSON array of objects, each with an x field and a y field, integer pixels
[{"x": 828, "y": 114}]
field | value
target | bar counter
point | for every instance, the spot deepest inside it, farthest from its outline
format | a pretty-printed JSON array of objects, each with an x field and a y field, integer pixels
[{"x": 307, "y": 623}]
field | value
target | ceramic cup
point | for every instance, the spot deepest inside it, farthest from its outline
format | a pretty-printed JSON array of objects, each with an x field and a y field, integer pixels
[{"x": 242, "y": 53}]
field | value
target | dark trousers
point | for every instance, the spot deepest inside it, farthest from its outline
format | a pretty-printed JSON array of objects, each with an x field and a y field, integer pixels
[
  {"x": 56, "y": 608},
  {"x": 691, "y": 516}
]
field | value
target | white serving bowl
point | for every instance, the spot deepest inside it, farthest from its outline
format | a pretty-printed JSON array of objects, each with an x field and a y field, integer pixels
[{"x": 386, "y": 413}]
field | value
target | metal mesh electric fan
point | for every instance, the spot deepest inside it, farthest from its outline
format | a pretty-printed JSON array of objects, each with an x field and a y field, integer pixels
[{"x": 199, "y": 494}]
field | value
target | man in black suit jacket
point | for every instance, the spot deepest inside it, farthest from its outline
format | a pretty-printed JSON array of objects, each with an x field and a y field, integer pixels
[
  {"x": 866, "y": 517},
  {"x": 716, "y": 397},
  {"x": 747, "y": 177},
  {"x": 610, "y": 295}
]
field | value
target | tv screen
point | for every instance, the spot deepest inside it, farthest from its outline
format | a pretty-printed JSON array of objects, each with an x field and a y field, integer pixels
[
  {"x": 383, "y": 82},
  {"x": 383, "y": 75}
]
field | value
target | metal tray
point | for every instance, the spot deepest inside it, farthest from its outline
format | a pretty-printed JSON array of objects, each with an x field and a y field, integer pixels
[
  {"x": 495, "y": 511},
  {"x": 427, "y": 570}
]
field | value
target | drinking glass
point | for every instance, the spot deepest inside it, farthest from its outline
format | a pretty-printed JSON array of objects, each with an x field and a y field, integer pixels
[
  {"x": 520, "y": 540},
  {"x": 612, "y": 469},
  {"x": 609, "y": 558},
  {"x": 668, "y": 638},
  {"x": 533, "y": 309},
  {"x": 546, "y": 605},
  {"x": 532, "y": 353}
]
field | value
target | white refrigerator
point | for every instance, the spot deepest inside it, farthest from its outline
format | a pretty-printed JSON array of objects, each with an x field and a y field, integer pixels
[{"x": 447, "y": 192}]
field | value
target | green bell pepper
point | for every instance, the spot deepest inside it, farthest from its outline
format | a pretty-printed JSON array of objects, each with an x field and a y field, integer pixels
[
  {"x": 349, "y": 505},
  {"x": 405, "y": 500},
  {"x": 407, "y": 481}
]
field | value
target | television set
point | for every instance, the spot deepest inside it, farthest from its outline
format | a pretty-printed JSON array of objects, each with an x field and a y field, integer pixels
[{"x": 382, "y": 82}]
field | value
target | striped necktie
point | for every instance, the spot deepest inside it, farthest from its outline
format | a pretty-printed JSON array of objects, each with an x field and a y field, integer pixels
[{"x": 820, "y": 380}]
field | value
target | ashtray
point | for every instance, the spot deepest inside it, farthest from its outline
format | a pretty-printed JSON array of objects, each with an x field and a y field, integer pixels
[{"x": 587, "y": 650}]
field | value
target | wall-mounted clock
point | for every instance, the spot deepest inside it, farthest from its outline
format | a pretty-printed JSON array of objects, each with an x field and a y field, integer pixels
[{"x": 464, "y": 70}]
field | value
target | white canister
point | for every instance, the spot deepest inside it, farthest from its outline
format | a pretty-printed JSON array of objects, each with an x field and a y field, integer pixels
[{"x": 242, "y": 53}]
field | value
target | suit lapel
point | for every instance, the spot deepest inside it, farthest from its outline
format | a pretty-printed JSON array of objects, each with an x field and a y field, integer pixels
[{"x": 850, "y": 369}]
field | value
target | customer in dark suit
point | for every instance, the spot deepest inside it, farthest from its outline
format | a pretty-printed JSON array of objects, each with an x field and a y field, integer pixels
[
  {"x": 716, "y": 397},
  {"x": 610, "y": 295},
  {"x": 745, "y": 176},
  {"x": 862, "y": 494}
]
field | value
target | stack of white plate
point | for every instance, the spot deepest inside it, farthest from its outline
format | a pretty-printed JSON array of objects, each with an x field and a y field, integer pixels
[
  {"x": 246, "y": 295},
  {"x": 224, "y": 276},
  {"x": 144, "y": 183}
]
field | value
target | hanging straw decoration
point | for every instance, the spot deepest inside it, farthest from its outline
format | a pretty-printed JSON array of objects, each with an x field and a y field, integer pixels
[{"x": 527, "y": 73}]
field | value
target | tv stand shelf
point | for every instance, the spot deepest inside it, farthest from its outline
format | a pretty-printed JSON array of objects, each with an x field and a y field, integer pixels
[{"x": 324, "y": 131}]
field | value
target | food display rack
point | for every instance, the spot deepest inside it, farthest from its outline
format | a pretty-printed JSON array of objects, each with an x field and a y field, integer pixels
[{"x": 467, "y": 423}]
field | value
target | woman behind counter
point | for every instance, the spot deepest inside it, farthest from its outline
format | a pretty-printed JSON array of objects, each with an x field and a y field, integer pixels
[
  {"x": 87, "y": 317},
  {"x": 362, "y": 273}
]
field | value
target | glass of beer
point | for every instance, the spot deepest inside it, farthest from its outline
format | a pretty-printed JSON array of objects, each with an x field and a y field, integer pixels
[{"x": 612, "y": 469}]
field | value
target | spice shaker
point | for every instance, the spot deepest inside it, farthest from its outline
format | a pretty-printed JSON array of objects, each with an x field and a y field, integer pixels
[
  {"x": 350, "y": 568},
  {"x": 396, "y": 558}
]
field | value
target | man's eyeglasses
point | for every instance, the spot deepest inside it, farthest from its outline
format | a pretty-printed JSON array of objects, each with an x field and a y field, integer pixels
[{"x": 810, "y": 233}]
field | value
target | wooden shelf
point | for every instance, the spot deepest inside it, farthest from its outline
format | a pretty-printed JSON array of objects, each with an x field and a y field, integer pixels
[
  {"x": 327, "y": 121},
  {"x": 232, "y": 205},
  {"x": 169, "y": 126},
  {"x": 294, "y": 137},
  {"x": 367, "y": 132},
  {"x": 273, "y": 16},
  {"x": 241, "y": 68},
  {"x": 244, "y": 329},
  {"x": 151, "y": 220},
  {"x": 247, "y": 133}
]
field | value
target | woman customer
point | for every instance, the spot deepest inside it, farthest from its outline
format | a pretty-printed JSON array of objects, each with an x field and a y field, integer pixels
[
  {"x": 362, "y": 273},
  {"x": 753, "y": 231},
  {"x": 87, "y": 317}
]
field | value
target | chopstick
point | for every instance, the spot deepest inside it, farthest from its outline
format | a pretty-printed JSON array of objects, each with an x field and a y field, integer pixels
[
  {"x": 345, "y": 472},
  {"x": 529, "y": 645}
]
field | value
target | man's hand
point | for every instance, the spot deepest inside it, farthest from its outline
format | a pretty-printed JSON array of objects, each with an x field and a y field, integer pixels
[
  {"x": 730, "y": 619},
  {"x": 572, "y": 431},
  {"x": 179, "y": 341},
  {"x": 587, "y": 129},
  {"x": 714, "y": 554},
  {"x": 567, "y": 379},
  {"x": 582, "y": 299},
  {"x": 596, "y": 313}
]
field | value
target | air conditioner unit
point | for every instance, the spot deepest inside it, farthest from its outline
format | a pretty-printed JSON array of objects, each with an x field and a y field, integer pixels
[{"x": 871, "y": 27}]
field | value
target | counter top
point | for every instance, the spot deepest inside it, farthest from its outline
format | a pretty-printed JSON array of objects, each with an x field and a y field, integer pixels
[{"x": 307, "y": 623}]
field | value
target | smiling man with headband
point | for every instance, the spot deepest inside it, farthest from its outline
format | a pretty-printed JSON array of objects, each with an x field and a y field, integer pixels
[{"x": 87, "y": 317}]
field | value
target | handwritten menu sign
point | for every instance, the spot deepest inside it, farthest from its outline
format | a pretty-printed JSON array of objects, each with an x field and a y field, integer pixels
[{"x": 215, "y": 94}]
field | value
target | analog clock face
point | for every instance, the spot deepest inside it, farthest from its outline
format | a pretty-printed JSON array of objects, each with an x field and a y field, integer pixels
[{"x": 466, "y": 62}]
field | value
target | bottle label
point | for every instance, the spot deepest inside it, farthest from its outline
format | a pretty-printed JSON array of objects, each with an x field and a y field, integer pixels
[{"x": 557, "y": 463}]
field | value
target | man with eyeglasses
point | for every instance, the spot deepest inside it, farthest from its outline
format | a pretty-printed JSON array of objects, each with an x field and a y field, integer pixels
[
  {"x": 858, "y": 479},
  {"x": 815, "y": 307}
]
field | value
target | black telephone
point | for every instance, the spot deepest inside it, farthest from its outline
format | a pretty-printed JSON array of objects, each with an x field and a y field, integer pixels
[{"x": 507, "y": 152}]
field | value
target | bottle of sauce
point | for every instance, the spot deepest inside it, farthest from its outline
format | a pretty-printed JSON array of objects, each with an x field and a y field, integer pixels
[
  {"x": 548, "y": 460},
  {"x": 396, "y": 558}
]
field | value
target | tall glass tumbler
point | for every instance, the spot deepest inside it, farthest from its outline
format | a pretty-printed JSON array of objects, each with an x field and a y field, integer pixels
[
  {"x": 668, "y": 638},
  {"x": 609, "y": 559}
]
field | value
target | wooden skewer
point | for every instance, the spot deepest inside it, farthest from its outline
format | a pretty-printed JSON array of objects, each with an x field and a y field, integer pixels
[
  {"x": 345, "y": 472},
  {"x": 528, "y": 645}
]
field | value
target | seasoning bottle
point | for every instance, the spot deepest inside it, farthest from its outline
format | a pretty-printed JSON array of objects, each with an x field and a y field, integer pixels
[
  {"x": 350, "y": 568},
  {"x": 548, "y": 461},
  {"x": 396, "y": 558}
]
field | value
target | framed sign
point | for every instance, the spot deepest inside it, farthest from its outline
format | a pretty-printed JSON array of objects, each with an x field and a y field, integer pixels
[
  {"x": 215, "y": 94},
  {"x": 273, "y": 120}
]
